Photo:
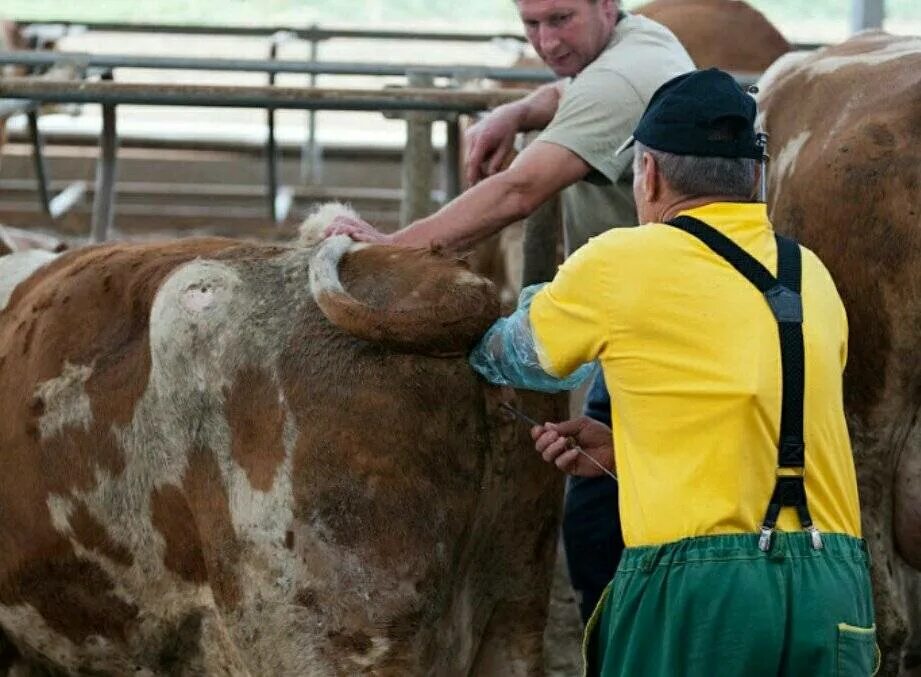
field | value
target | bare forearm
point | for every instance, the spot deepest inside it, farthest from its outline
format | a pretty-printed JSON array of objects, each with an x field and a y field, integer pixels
[{"x": 473, "y": 216}]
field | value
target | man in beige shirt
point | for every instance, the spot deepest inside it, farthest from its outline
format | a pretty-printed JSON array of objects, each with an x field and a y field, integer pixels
[{"x": 610, "y": 63}]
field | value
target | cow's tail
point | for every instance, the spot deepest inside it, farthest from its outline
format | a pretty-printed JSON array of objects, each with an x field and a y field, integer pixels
[{"x": 430, "y": 304}]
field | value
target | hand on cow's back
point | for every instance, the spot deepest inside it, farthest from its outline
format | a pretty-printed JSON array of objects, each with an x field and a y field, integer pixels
[
  {"x": 357, "y": 229},
  {"x": 556, "y": 443}
]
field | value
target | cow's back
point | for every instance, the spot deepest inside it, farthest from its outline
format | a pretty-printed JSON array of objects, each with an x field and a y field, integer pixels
[
  {"x": 845, "y": 179},
  {"x": 727, "y": 34},
  {"x": 199, "y": 473}
]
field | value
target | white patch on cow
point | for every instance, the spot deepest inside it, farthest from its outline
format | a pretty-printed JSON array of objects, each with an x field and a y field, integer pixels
[
  {"x": 197, "y": 300},
  {"x": 785, "y": 162},
  {"x": 65, "y": 400},
  {"x": 60, "y": 507},
  {"x": 890, "y": 51},
  {"x": 782, "y": 67},
  {"x": 14, "y": 268},
  {"x": 311, "y": 231},
  {"x": 192, "y": 323},
  {"x": 27, "y": 627},
  {"x": 467, "y": 277}
]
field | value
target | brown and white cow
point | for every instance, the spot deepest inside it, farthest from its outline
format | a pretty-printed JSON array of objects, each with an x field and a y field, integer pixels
[
  {"x": 845, "y": 133},
  {"x": 200, "y": 473}
]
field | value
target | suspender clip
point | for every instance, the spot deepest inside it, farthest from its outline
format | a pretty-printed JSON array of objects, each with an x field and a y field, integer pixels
[
  {"x": 764, "y": 543},
  {"x": 816, "y": 537}
]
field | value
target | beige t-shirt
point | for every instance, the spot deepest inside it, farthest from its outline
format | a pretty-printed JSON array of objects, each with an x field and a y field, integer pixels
[{"x": 599, "y": 110}]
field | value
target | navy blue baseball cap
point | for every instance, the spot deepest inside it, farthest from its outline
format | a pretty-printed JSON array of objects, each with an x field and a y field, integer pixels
[{"x": 704, "y": 113}]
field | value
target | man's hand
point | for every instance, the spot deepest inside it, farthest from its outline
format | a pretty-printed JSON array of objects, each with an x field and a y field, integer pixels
[
  {"x": 357, "y": 229},
  {"x": 489, "y": 143},
  {"x": 554, "y": 442}
]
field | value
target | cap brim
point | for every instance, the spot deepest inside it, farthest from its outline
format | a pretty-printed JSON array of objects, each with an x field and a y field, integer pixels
[{"x": 626, "y": 145}]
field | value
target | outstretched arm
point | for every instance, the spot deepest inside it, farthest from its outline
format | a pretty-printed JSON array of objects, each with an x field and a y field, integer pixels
[{"x": 541, "y": 171}]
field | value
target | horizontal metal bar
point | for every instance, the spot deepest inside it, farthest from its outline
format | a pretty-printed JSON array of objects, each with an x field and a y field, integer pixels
[
  {"x": 134, "y": 192},
  {"x": 10, "y": 107},
  {"x": 309, "y": 33},
  {"x": 305, "y": 98},
  {"x": 49, "y": 58},
  {"x": 210, "y": 191}
]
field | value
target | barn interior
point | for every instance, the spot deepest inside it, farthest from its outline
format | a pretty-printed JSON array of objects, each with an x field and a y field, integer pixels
[{"x": 140, "y": 130}]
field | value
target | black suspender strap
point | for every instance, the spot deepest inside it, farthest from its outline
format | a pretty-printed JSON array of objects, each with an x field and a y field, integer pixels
[{"x": 783, "y": 297}]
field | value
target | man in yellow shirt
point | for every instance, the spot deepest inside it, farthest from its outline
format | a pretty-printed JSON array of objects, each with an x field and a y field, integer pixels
[{"x": 722, "y": 346}]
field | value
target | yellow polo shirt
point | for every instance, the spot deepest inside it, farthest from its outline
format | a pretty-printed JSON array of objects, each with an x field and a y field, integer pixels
[{"x": 691, "y": 358}]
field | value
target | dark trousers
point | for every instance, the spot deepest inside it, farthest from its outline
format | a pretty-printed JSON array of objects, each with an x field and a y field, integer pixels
[{"x": 591, "y": 522}]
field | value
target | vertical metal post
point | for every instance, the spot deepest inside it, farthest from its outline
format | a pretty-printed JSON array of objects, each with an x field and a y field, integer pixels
[
  {"x": 452, "y": 159},
  {"x": 417, "y": 159},
  {"x": 38, "y": 158},
  {"x": 104, "y": 199},
  {"x": 311, "y": 168},
  {"x": 541, "y": 237},
  {"x": 867, "y": 14},
  {"x": 271, "y": 148}
]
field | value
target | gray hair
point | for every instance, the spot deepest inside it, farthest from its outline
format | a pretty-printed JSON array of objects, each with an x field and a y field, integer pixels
[{"x": 693, "y": 175}]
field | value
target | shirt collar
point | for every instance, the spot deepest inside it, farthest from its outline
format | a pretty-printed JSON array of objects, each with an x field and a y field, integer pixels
[{"x": 732, "y": 217}]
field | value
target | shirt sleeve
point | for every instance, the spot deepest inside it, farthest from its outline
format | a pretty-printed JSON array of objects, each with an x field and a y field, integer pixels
[
  {"x": 570, "y": 317},
  {"x": 597, "y": 113}
]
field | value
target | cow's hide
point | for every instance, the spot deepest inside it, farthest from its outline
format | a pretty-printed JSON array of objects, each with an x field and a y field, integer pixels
[
  {"x": 727, "y": 34},
  {"x": 845, "y": 129},
  {"x": 201, "y": 474}
]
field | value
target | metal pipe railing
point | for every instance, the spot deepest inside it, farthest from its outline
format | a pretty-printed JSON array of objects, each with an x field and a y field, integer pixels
[
  {"x": 303, "y": 98},
  {"x": 83, "y": 60},
  {"x": 314, "y": 33},
  {"x": 57, "y": 29},
  {"x": 111, "y": 94}
]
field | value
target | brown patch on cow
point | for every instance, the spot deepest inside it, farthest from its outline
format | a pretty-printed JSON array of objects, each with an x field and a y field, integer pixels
[
  {"x": 289, "y": 539},
  {"x": 74, "y": 596},
  {"x": 702, "y": 26},
  {"x": 59, "y": 315},
  {"x": 172, "y": 516},
  {"x": 257, "y": 421},
  {"x": 72, "y": 456},
  {"x": 195, "y": 523},
  {"x": 93, "y": 536},
  {"x": 412, "y": 300},
  {"x": 907, "y": 508}
]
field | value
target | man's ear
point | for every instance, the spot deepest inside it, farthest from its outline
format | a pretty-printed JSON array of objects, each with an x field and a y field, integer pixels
[
  {"x": 610, "y": 8},
  {"x": 651, "y": 183}
]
